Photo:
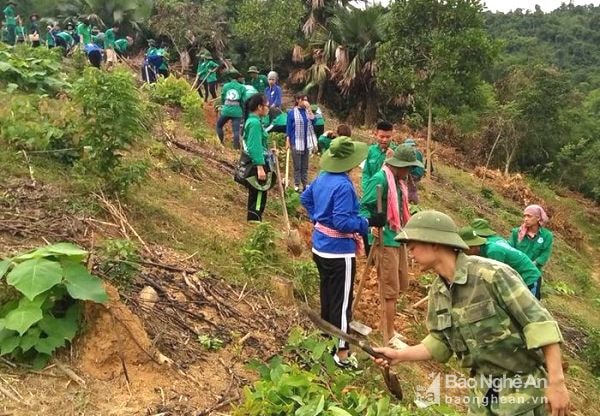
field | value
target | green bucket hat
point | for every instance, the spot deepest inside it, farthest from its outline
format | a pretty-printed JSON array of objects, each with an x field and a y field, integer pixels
[
  {"x": 253, "y": 69},
  {"x": 470, "y": 237},
  {"x": 409, "y": 141},
  {"x": 404, "y": 156},
  {"x": 482, "y": 227},
  {"x": 432, "y": 227},
  {"x": 343, "y": 154},
  {"x": 265, "y": 185}
]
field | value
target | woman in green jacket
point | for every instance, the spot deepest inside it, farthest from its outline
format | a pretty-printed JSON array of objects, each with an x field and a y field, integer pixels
[
  {"x": 533, "y": 239},
  {"x": 255, "y": 146}
]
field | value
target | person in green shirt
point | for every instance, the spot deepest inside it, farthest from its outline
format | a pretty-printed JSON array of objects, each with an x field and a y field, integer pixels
[
  {"x": 64, "y": 40},
  {"x": 502, "y": 252},
  {"x": 392, "y": 260},
  {"x": 378, "y": 152},
  {"x": 326, "y": 138},
  {"x": 10, "y": 21},
  {"x": 233, "y": 97},
  {"x": 98, "y": 37},
  {"x": 110, "y": 36},
  {"x": 416, "y": 173},
  {"x": 257, "y": 80},
  {"x": 20, "y": 32},
  {"x": 255, "y": 148},
  {"x": 319, "y": 124},
  {"x": 207, "y": 75},
  {"x": 480, "y": 311},
  {"x": 533, "y": 239},
  {"x": 84, "y": 31},
  {"x": 163, "y": 68},
  {"x": 121, "y": 45}
]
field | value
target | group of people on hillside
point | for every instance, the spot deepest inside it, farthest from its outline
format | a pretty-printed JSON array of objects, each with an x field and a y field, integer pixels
[{"x": 99, "y": 46}]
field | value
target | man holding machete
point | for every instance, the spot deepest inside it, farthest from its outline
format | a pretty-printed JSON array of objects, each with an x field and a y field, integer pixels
[
  {"x": 392, "y": 269},
  {"x": 481, "y": 310},
  {"x": 332, "y": 204}
]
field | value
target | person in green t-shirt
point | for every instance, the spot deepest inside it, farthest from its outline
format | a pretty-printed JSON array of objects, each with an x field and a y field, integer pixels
[
  {"x": 84, "y": 31},
  {"x": 502, "y": 252},
  {"x": 233, "y": 97},
  {"x": 64, "y": 40},
  {"x": 121, "y": 46},
  {"x": 207, "y": 75},
  {"x": 379, "y": 151},
  {"x": 533, "y": 239},
  {"x": 257, "y": 80},
  {"x": 110, "y": 36},
  {"x": 326, "y": 138},
  {"x": 391, "y": 256},
  {"x": 319, "y": 124},
  {"x": 255, "y": 146},
  {"x": 20, "y": 32},
  {"x": 10, "y": 22},
  {"x": 416, "y": 173}
]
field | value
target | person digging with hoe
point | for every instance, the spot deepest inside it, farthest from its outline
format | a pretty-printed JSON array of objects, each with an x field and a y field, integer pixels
[
  {"x": 482, "y": 312},
  {"x": 392, "y": 270},
  {"x": 332, "y": 205}
]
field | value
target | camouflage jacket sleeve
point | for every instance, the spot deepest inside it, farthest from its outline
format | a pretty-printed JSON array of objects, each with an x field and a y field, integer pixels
[
  {"x": 538, "y": 326},
  {"x": 436, "y": 342}
]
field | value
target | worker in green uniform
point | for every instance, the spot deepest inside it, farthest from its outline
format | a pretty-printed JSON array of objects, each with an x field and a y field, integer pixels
[
  {"x": 64, "y": 40},
  {"x": 84, "y": 31},
  {"x": 256, "y": 150},
  {"x": 97, "y": 37},
  {"x": 326, "y": 138},
  {"x": 416, "y": 172},
  {"x": 233, "y": 97},
  {"x": 10, "y": 22},
  {"x": 480, "y": 311},
  {"x": 110, "y": 36},
  {"x": 392, "y": 261},
  {"x": 379, "y": 151},
  {"x": 207, "y": 75},
  {"x": 483, "y": 229},
  {"x": 20, "y": 31},
  {"x": 163, "y": 68},
  {"x": 502, "y": 252},
  {"x": 533, "y": 239},
  {"x": 258, "y": 80},
  {"x": 319, "y": 124},
  {"x": 121, "y": 45}
]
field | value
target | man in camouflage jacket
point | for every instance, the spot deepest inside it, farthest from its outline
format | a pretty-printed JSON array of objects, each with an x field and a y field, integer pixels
[{"x": 481, "y": 311}]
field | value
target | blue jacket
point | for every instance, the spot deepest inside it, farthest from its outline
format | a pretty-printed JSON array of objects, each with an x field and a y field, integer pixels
[
  {"x": 274, "y": 95},
  {"x": 332, "y": 201},
  {"x": 291, "y": 127}
]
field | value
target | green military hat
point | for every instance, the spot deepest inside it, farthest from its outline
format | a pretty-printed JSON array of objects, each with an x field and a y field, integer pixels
[
  {"x": 253, "y": 69},
  {"x": 343, "y": 154},
  {"x": 470, "y": 237},
  {"x": 432, "y": 227},
  {"x": 482, "y": 227},
  {"x": 409, "y": 141},
  {"x": 404, "y": 156}
]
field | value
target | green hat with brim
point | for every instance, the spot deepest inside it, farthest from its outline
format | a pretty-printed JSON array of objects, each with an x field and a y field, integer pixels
[
  {"x": 482, "y": 227},
  {"x": 404, "y": 156},
  {"x": 432, "y": 227},
  {"x": 253, "y": 69},
  {"x": 234, "y": 73},
  {"x": 470, "y": 237},
  {"x": 343, "y": 155},
  {"x": 262, "y": 185}
]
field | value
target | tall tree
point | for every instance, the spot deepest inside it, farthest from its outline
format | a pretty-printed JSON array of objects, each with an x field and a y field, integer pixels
[
  {"x": 269, "y": 27},
  {"x": 345, "y": 52},
  {"x": 436, "y": 51}
]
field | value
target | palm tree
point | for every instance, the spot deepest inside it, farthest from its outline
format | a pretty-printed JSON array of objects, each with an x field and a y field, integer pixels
[
  {"x": 318, "y": 13},
  {"x": 346, "y": 53}
]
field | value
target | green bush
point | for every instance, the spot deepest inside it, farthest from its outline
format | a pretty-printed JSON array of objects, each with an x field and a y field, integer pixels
[
  {"x": 259, "y": 252},
  {"x": 118, "y": 261},
  {"x": 31, "y": 69},
  {"x": 292, "y": 203},
  {"x": 592, "y": 352},
  {"x": 170, "y": 91},
  {"x": 306, "y": 277},
  {"x": 113, "y": 119},
  {"x": 51, "y": 282}
]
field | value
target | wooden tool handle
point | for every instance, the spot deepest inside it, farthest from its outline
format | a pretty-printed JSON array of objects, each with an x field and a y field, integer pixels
[{"x": 379, "y": 198}]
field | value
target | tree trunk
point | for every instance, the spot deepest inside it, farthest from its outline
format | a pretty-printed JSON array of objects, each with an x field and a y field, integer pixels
[
  {"x": 428, "y": 150},
  {"x": 185, "y": 60},
  {"x": 371, "y": 109},
  {"x": 509, "y": 159}
]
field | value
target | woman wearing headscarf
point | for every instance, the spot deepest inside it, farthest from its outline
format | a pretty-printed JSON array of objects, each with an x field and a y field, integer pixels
[{"x": 533, "y": 239}]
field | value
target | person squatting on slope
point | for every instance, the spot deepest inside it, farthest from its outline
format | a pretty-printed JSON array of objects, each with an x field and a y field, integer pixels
[
  {"x": 481, "y": 311},
  {"x": 332, "y": 205}
]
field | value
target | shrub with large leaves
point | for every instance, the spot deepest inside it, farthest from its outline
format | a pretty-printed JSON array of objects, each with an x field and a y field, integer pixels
[{"x": 51, "y": 282}]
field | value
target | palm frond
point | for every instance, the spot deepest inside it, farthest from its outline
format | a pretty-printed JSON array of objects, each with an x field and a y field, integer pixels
[
  {"x": 298, "y": 76},
  {"x": 298, "y": 54},
  {"x": 309, "y": 25},
  {"x": 342, "y": 59}
]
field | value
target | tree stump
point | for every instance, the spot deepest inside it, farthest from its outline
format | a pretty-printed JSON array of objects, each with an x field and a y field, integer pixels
[{"x": 284, "y": 290}]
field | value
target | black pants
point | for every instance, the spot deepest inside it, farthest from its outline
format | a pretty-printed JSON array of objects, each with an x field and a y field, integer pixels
[
  {"x": 337, "y": 281},
  {"x": 319, "y": 130},
  {"x": 208, "y": 87},
  {"x": 257, "y": 200}
]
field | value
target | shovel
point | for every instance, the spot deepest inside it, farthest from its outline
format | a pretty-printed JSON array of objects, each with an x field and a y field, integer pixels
[
  {"x": 390, "y": 378},
  {"x": 287, "y": 168},
  {"x": 294, "y": 242}
]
